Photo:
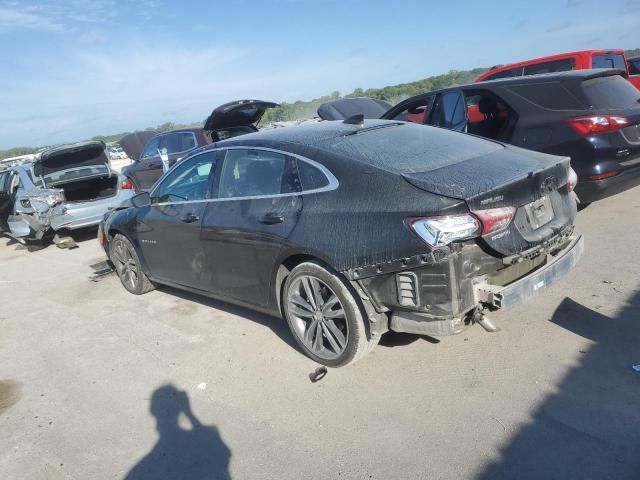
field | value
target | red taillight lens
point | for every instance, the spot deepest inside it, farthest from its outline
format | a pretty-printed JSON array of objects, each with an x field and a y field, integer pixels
[
  {"x": 126, "y": 184},
  {"x": 598, "y": 124},
  {"x": 495, "y": 219},
  {"x": 600, "y": 176},
  {"x": 572, "y": 181}
]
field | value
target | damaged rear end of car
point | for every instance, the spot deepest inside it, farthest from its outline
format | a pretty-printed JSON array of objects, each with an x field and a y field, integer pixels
[
  {"x": 511, "y": 236},
  {"x": 66, "y": 188}
]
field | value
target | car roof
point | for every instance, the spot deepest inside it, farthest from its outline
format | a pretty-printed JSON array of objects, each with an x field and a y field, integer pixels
[
  {"x": 309, "y": 134},
  {"x": 577, "y": 75},
  {"x": 557, "y": 56},
  {"x": 178, "y": 130}
]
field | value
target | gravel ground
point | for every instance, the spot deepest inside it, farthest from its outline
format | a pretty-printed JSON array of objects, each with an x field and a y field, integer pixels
[{"x": 96, "y": 383}]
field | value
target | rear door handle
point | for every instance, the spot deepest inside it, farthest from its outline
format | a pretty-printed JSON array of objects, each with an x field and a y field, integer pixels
[
  {"x": 271, "y": 219},
  {"x": 190, "y": 218}
]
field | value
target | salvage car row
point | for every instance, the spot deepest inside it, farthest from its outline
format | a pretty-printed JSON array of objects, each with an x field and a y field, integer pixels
[{"x": 353, "y": 227}]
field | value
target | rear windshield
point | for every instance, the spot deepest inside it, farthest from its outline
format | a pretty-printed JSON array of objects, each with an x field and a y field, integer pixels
[
  {"x": 70, "y": 174},
  {"x": 411, "y": 148},
  {"x": 608, "y": 61},
  {"x": 611, "y": 92}
]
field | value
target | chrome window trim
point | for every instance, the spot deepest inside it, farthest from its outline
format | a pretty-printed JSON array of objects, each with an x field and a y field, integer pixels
[{"x": 333, "y": 181}]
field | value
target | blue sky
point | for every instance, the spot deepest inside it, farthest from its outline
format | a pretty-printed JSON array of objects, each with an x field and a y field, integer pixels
[{"x": 72, "y": 69}]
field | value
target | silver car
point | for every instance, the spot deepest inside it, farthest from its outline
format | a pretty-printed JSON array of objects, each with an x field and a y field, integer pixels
[{"x": 65, "y": 188}]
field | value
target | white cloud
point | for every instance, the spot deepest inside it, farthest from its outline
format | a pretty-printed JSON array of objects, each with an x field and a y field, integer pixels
[{"x": 16, "y": 19}]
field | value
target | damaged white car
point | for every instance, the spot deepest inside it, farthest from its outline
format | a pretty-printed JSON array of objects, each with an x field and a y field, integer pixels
[{"x": 65, "y": 188}]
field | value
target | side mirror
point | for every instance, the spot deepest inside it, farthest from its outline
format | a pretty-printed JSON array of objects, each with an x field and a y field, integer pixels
[{"x": 140, "y": 200}]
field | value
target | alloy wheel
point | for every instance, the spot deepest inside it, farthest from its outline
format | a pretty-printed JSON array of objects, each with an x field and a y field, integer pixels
[
  {"x": 125, "y": 264},
  {"x": 318, "y": 317}
]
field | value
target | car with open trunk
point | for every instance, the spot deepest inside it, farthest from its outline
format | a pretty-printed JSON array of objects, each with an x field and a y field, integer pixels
[{"x": 65, "y": 188}]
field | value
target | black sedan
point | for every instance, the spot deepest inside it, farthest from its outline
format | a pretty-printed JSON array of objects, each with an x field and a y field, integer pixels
[
  {"x": 592, "y": 116},
  {"x": 349, "y": 229}
]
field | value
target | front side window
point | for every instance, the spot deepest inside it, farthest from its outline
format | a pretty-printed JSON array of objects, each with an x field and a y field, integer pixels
[
  {"x": 152, "y": 148},
  {"x": 563, "y": 65},
  {"x": 189, "y": 181},
  {"x": 177, "y": 142},
  {"x": 250, "y": 173},
  {"x": 634, "y": 67}
]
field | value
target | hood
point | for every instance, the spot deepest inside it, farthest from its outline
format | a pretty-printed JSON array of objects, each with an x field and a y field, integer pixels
[
  {"x": 85, "y": 154},
  {"x": 347, "y": 107},
  {"x": 134, "y": 143},
  {"x": 240, "y": 113}
]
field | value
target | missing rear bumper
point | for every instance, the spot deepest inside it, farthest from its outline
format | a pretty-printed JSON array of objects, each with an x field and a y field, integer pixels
[{"x": 505, "y": 297}]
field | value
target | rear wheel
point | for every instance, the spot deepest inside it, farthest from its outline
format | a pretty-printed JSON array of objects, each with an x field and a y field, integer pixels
[
  {"x": 125, "y": 259},
  {"x": 324, "y": 316}
]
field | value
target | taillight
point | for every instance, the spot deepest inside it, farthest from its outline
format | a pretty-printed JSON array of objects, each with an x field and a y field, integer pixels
[
  {"x": 126, "y": 184},
  {"x": 598, "y": 124},
  {"x": 572, "y": 180},
  {"x": 600, "y": 176},
  {"x": 495, "y": 219},
  {"x": 441, "y": 231}
]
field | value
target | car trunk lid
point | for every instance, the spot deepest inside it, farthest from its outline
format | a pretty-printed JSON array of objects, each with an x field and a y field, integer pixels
[
  {"x": 68, "y": 157},
  {"x": 532, "y": 183},
  {"x": 240, "y": 113}
]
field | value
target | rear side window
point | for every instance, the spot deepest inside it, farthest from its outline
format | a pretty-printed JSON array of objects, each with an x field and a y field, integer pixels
[
  {"x": 610, "y": 92},
  {"x": 512, "y": 72},
  {"x": 251, "y": 173},
  {"x": 608, "y": 61},
  {"x": 563, "y": 65},
  {"x": 311, "y": 177},
  {"x": 3, "y": 180},
  {"x": 634, "y": 67},
  {"x": 549, "y": 95}
]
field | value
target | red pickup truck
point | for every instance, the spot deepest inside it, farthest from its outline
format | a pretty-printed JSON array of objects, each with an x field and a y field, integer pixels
[{"x": 582, "y": 60}]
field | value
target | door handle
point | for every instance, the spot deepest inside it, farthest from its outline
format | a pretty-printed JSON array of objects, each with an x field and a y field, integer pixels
[
  {"x": 271, "y": 219},
  {"x": 190, "y": 218}
]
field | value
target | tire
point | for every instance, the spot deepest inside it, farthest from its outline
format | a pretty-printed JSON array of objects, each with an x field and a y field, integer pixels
[
  {"x": 127, "y": 264},
  {"x": 324, "y": 316}
]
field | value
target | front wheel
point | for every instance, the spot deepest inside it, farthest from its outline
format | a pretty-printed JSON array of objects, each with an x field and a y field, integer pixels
[
  {"x": 324, "y": 316},
  {"x": 125, "y": 259}
]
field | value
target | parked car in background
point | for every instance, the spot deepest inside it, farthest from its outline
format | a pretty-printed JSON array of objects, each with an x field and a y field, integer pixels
[
  {"x": 228, "y": 120},
  {"x": 133, "y": 143},
  {"x": 633, "y": 67},
  {"x": 349, "y": 230},
  {"x": 592, "y": 116},
  {"x": 343, "y": 108},
  {"x": 66, "y": 188},
  {"x": 583, "y": 60}
]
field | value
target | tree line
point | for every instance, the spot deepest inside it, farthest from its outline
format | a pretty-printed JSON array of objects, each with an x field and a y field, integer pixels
[{"x": 307, "y": 109}]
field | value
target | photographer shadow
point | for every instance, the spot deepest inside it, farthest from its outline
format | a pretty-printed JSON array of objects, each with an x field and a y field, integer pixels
[{"x": 195, "y": 453}]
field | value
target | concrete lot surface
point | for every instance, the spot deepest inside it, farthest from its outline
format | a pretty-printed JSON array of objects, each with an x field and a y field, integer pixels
[{"x": 96, "y": 383}]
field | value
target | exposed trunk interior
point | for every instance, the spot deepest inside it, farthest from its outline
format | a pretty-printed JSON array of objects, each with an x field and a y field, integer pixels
[{"x": 88, "y": 189}]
